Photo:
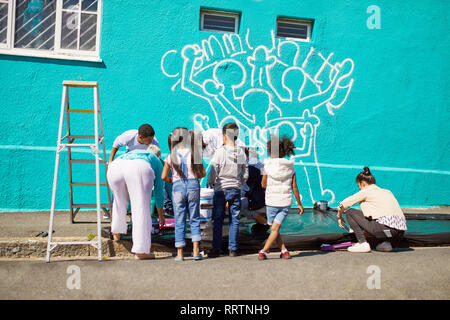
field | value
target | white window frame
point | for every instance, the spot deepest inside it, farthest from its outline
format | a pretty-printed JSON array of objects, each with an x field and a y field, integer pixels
[
  {"x": 57, "y": 52},
  {"x": 227, "y": 14},
  {"x": 307, "y": 23}
]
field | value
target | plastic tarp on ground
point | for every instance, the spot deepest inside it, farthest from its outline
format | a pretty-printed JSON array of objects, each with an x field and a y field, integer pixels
[{"x": 314, "y": 228}]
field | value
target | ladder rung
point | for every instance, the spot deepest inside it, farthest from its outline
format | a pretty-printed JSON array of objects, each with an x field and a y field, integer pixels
[
  {"x": 78, "y": 144},
  {"x": 80, "y": 111},
  {"x": 80, "y": 84},
  {"x": 90, "y": 205},
  {"x": 85, "y": 161},
  {"x": 83, "y": 137},
  {"x": 86, "y": 184}
]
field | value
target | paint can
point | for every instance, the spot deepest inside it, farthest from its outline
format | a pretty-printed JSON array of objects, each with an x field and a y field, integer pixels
[
  {"x": 322, "y": 205},
  {"x": 206, "y": 204}
]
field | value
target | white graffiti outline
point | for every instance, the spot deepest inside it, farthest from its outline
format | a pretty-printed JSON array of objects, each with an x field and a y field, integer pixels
[{"x": 239, "y": 79}]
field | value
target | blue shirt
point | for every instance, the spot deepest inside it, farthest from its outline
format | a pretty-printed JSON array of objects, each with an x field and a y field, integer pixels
[{"x": 157, "y": 167}]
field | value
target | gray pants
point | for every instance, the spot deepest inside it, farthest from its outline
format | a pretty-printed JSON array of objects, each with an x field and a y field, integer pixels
[{"x": 359, "y": 223}]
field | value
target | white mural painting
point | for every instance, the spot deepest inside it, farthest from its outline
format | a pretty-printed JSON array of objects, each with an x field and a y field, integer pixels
[{"x": 278, "y": 89}]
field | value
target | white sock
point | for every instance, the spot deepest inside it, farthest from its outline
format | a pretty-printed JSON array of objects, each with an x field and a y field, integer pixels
[
  {"x": 285, "y": 250},
  {"x": 260, "y": 251}
]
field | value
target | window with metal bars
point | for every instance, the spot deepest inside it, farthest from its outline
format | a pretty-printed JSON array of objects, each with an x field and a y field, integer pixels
[
  {"x": 50, "y": 28},
  {"x": 219, "y": 21},
  {"x": 5, "y": 19},
  {"x": 295, "y": 29}
]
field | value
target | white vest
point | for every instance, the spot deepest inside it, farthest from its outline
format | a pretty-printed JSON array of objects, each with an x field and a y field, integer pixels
[{"x": 279, "y": 181}]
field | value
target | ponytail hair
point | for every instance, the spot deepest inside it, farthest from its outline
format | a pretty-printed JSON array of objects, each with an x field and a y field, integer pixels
[
  {"x": 194, "y": 141},
  {"x": 196, "y": 152},
  {"x": 280, "y": 148},
  {"x": 366, "y": 176},
  {"x": 178, "y": 136}
]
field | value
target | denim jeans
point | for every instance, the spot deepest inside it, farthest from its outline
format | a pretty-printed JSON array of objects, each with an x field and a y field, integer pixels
[
  {"x": 168, "y": 205},
  {"x": 276, "y": 214},
  {"x": 233, "y": 197},
  {"x": 186, "y": 198},
  {"x": 359, "y": 223}
]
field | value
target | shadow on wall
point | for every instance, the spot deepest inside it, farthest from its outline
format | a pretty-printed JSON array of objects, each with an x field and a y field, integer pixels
[{"x": 63, "y": 62}]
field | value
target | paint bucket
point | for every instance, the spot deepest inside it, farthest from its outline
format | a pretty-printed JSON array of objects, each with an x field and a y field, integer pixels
[
  {"x": 322, "y": 205},
  {"x": 206, "y": 204}
]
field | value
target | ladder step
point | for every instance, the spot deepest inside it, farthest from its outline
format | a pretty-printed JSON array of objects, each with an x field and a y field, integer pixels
[
  {"x": 84, "y": 137},
  {"x": 85, "y": 161},
  {"x": 80, "y": 111},
  {"x": 86, "y": 184},
  {"x": 78, "y": 144},
  {"x": 90, "y": 205},
  {"x": 80, "y": 84}
]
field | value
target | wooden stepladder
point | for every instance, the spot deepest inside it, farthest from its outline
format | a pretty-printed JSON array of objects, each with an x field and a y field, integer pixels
[{"x": 68, "y": 141}]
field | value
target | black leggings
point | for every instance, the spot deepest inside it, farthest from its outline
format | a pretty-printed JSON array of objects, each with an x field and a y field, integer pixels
[{"x": 359, "y": 223}]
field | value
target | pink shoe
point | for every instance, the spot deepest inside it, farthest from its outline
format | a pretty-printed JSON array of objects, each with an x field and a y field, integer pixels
[{"x": 285, "y": 255}]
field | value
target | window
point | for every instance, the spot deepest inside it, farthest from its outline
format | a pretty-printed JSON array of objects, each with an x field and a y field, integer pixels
[
  {"x": 219, "y": 21},
  {"x": 67, "y": 29},
  {"x": 293, "y": 28},
  {"x": 4, "y": 22}
]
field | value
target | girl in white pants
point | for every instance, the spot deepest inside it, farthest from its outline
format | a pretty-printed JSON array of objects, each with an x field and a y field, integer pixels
[{"x": 132, "y": 179}]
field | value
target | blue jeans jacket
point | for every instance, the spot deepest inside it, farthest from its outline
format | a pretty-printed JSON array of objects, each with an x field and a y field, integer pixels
[
  {"x": 233, "y": 197},
  {"x": 186, "y": 199}
]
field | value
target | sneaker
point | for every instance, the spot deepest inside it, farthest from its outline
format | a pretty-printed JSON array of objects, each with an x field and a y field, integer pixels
[
  {"x": 233, "y": 253},
  {"x": 285, "y": 255},
  {"x": 262, "y": 256},
  {"x": 384, "y": 247},
  {"x": 359, "y": 247}
]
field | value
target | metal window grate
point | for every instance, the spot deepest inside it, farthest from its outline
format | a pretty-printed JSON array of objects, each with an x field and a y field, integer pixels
[
  {"x": 294, "y": 29},
  {"x": 35, "y": 25},
  {"x": 3, "y": 21},
  {"x": 216, "y": 21}
]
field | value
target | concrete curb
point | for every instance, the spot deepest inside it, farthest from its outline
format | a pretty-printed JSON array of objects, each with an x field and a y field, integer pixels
[{"x": 37, "y": 248}]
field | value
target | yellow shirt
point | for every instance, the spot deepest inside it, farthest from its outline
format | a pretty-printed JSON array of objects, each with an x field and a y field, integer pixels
[{"x": 375, "y": 202}]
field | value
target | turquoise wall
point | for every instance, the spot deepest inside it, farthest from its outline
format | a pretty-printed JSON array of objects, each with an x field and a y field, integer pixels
[{"x": 380, "y": 100}]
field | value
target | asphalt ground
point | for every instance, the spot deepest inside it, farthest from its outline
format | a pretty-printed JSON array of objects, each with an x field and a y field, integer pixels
[{"x": 413, "y": 273}]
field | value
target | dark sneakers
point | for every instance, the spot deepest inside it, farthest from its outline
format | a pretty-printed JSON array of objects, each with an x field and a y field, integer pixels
[
  {"x": 260, "y": 229},
  {"x": 384, "y": 247},
  {"x": 215, "y": 253},
  {"x": 233, "y": 253}
]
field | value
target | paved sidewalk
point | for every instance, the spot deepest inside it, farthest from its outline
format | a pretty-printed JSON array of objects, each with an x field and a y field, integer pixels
[
  {"x": 19, "y": 230},
  {"x": 28, "y": 224}
]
